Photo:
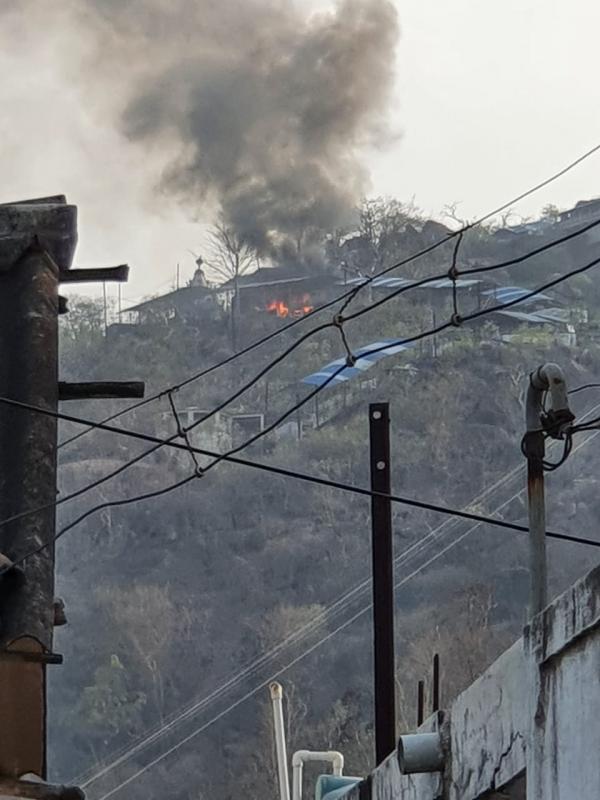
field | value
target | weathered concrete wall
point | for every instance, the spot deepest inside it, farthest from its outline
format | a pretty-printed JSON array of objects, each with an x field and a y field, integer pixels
[
  {"x": 536, "y": 709},
  {"x": 387, "y": 782},
  {"x": 563, "y": 644},
  {"x": 488, "y": 725}
]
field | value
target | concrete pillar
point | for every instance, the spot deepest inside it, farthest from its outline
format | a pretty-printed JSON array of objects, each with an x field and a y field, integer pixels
[{"x": 37, "y": 240}]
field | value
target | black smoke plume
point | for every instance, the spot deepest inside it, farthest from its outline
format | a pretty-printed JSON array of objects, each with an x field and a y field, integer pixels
[{"x": 262, "y": 107}]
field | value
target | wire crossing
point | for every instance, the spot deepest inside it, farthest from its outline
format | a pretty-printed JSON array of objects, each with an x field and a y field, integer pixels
[
  {"x": 160, "y": 443},
  {"x": 352, "y": 293},
  {"x": 262, "y": 685}
]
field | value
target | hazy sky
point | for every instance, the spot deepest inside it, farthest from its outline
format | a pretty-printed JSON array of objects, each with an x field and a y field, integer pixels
[{"x": 491, "y": 97}]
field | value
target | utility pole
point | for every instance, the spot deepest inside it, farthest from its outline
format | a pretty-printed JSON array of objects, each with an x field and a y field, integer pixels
[
  {"x": 39, "y": 241},
  {"x": 37, "y": 244},
  {"x": 383, "y": 582},
  {"x": 105, "y": 307},
  {"x": 550, "y": 379}
]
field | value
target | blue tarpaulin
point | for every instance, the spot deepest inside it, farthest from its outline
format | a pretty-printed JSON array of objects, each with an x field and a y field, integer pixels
[
  {"x": 542, "y": 316},
  {"x": 384, "y": 348},
  {"x": 506, "y": 294}
]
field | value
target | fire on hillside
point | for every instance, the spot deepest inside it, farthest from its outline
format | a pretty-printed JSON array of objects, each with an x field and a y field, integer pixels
[{"x": 294, "y": 308}]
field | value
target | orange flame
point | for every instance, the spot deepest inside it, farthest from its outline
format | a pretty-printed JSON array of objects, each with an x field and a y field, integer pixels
[
  {"x": 281, "y": 308},
  {"x": 307, "y": 307},
  {"x": 278, "y": 307}
]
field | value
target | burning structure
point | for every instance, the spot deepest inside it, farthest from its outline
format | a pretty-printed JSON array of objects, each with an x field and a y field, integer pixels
[{"x": 279, "y": 291}]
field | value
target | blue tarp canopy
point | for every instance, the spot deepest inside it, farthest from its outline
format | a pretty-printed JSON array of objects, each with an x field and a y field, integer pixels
[
  {"x": 384, "y": 348},
  {"x": 542, "y": 316},
  {"x": 506, "y": 294},
  {"x": 396, "y": 283},
  {"x": 446, "y": 283}
]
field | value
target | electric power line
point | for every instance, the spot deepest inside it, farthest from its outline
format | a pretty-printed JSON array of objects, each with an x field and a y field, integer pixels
[
  {"x": 351, "y": 294},
  {"x": 455, "y": 321},
  {"x": 477, "y": 270},
  {"x": 226, "y": 457},
  {"x": 263, "y": 684},
  {"x": 340, "y": 604},
  {"x": 348, "y": 296},
  {"x": 584, "y": 388},
  {"x": 281, "y": 471},
  {"x": 324, "y": 616},
  {"x": 317, "y": 622}
]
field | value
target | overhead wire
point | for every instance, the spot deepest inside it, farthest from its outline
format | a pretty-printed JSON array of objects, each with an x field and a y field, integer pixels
[
  {"x": 325, "y": 616},
  {"x": 316, "y": 622},
  {"x": 338, "y": 321},
  {"x": 280, "y": 671},
  {"x": 585, "y": 387},
  {"x": 471, "y": 271},
  {"x": 319, "y": 620},
  {"x": 220, "y": 457},
  {"x": 183, "y": 434},
  {"x": 352, "y": 293},
  {"x": 453, "y": 275},
  {"x": 311, "y": 626},
  {"x": 281, "y": 471},
  {"x": 160, "y": 442},
  {"x": 566, "y": 434},
  {"x": 477, "y": 523}
]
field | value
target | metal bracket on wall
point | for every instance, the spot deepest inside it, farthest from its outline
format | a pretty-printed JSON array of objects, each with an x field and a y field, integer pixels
[{"x": 31, "y": 657}]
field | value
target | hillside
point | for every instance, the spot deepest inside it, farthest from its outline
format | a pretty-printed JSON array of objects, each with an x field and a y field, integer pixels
[{"x": 170, "y": 598}]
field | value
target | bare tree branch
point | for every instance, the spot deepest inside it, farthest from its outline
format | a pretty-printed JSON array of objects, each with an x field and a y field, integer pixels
[{"x": 229, "y": 255}]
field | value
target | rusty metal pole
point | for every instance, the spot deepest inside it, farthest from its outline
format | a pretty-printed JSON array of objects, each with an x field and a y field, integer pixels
[
  {"x": 383, "y": 582},
  {"x": 420, "y": 703},
  {"x": 538, "y": 591},
  {"x": 548, "y": 379},
  {"x": 36, "y": 240},
  {"x": 435, "y": 689}
]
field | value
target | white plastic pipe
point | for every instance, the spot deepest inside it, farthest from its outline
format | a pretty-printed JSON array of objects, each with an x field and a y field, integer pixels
[
  {"x": 279, "y": 727},
  {"x": 302, "y": 756}
]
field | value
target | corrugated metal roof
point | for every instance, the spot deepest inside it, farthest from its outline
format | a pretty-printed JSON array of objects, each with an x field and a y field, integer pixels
[
  {"x": 395, "y": 283},
  {"x": 505, "y": 294},
  {"x": 382, "y": 282},
  {"x": 385, "y": 348},
  {"x": 229, "y": 286},
  {"x": 170, "y": 297},
  {"x": 540, "y": 317}
]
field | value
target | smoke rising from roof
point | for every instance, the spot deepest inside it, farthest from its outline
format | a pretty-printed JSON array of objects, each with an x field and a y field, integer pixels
[{"x": 262, "y": 108}]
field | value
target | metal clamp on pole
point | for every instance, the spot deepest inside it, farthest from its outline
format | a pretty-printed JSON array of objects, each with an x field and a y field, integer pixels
[
  {"x": 553, "y": 421},
  {"x": 548, "y": 379}
]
